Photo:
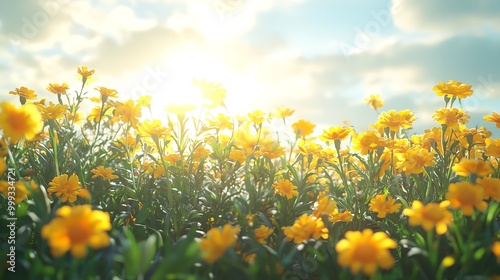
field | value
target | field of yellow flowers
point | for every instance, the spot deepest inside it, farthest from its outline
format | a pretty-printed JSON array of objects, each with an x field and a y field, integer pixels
[{"x": 198, "y": 194}]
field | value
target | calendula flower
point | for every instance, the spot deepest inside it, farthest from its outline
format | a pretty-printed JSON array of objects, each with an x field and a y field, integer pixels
[
  {"x": 466, "y": 196},
  {"x": 336, "y": 216},
  {"x": 365, "y": 251},
  {"x": 303, "y": 128},
  {"x": 211, "y": 92},
  {"x": 282, "y": 112},
  {"x": 144, "y": 101},
  {"x": 105, "y": 173},
  {"x": 396, "y": 121},
  {"x": 65, "y": 188},
  {"x": 217, "y": 241},
  {"x": 220, "y": 122},
  {"x": 128, "y": 112},
  {"x": 153, "y": 128},
  {"x": 20, "y": 190},
  {"x": 257, "y": 117},
  {"x": 432, "y": 215},
  {"x": 262, "y": 233},
  {"x": 414, "y": 160},
  {"x": 453, "y": 89},
  {"x": 492, "y": 148},
  {"x": 491, "y": 187},
  {"x": 17, "y": 123},
  {"x": 324, "y": 206},
  {"x": 366, "y": 142},
  {"x": 85, "y": 72},
  {"x": 107, "y": 92},
  {"x": 309, "y": 147},
  {"x": 76, "y": 228},
  {"x": 237, "y": 156},
  {"x": 335, "y": 133},
  {"x": 383, "y": 205},
  {"x": 495, "y": 118},
  {"x": 52, "y": 111},
  {"x": 451, "y": 117},
  {"x": 24, "y": 92},
  {"x": 286, "y": 188},
  {"x": 374, "y": 101},
  {"x": 57, "y": 88},
  {"x": 467, "y": 167},
  {"x": 304, "y": 228}
]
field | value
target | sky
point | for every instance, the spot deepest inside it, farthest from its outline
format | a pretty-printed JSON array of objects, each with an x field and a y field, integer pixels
[{"x": 319, "y": 57}]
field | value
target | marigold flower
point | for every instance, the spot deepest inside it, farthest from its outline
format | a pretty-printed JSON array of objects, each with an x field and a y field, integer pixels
[
  {"x": 309, "y": 147},
  {"x": 365, "y": 251},
  {"x": 466, "y": 196},
  {"x": 107, "y": 92},
  {"x": 213, "y": 93},
  {"x": 257, "y": 117},
  {"x": 128, "y": 112},
  {"x": 491, "y": 187},
  {"x": 17, "y": 123},
  {"x": 467, "y": 167},
  {"x": 20, "y": 190},
  {"x": 414, "y": 160},
  {"x": 286, "y": 188},
  {"x": 217, "y": 241},
  {"x": 492, "y": 148},
  {"x": 336, "y": 216},
  {"x": 451, "y": 117},
  {"x": 303, "y": 128},
  {"x": 65, "y": 188},
  {"x": 24, "y": 92},
  {"x": 335, "y": 133},
  {"x": 304, "y": 228},
  {"x": 367, "y": 141},
  {"x": 75, "y": 228},
  {"x": 144, "y": 101},
  {"x": 453, "y": 89},
  {"x": 324, "y": 206},
  {"x": 52, "y": 111},
  {"x": 430, "y": 216},
  {"x": 282, "y": 112},
  {"x": 57, "y": 88},
  {"x": 105, "y": 173},
  {"x": 221, "y": 122},
  {"x": 383, "y": 205},
  {"x": 495, "y": 118},
  {"x": 396, "y": 121},
  {"x": 85, "y": 72},
  {"x": 153, "y": 129},
  {"x": 374, "y": 101},
  {"x": 262, "y": 233},
  {"x": 237, "y": 156}
]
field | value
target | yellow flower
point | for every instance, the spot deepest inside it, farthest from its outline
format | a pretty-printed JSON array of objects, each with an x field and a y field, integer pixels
[
  {"x": 84, "y": 72},
  {"x": 237, "y": 156},
  {"x": 52, "y": 111},
  {"x": 257, "y": 117},
  {"x": 365, "y": 251},
  {"x": 64, "y": 188},
  {"x": 153, "y": 129},
  {"x": 396, "y": 121},
  {"x": 452, "y": 117},
  {"x": 365, "y": 142},
  {"x": 282, "y": 112},
  {"x": 3, "y": 166},
  {"x": 20, "y": 190},
  {"x": 105, "y": 173},
  {"x": 144, "y": 101},
  {"x": 466, "y": 196},
  {"x": 335, "y": 133},
  {"x": 213, "y": 93},
  {"x": 17, "y": 123},
  {"x": 414, "y": 160},
  {"x": 221, "y": 122},
  {"x": 383, "y": 205},
  {"x": 107, "y": 92},
  {"x": 128, "y": 112},
  {"x": 303, "y": 128},
  {"x": 496, "y": 250},
  {"x": 285, "y": 188},
  {"x": 75, "y": 228},
  {"x": 24, "y": 92},
  {"x": 262, "y": 233},
  {"x": 467, "y": 167},
  {"x": 491, "y": 187},
  {"x": 218, "y": 241},
  {"x": 495, "y": 117},
  {"x": 336, "y": 216},
  {"x": 57, "y": 88},
  {"x": 324, "y": 206},
  {"x": 374, "y": 101},
  {"x": 430, "y": 216},
  {"x": 453, "y": 89},
  {"x": 492, "y": 148},
  {"x": 304, "y": 228},
  {"x": 180, "y": 109}
]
